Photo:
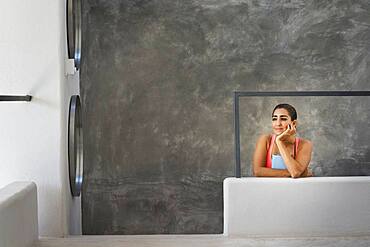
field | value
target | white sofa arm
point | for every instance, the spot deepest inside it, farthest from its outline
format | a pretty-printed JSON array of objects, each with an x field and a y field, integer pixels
[{"x": 18, "y": 215}]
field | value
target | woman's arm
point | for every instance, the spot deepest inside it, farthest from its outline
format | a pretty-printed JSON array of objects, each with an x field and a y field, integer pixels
[
  {"x": 259, "y": 161},
  {"x": 269, "y": 172},
  {"x": 298, "y": 166}
]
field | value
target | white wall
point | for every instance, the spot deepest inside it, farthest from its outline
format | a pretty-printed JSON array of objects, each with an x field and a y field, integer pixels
[{"x": 33, "y": 134}]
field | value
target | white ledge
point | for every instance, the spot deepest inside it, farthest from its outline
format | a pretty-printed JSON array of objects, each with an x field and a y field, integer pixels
[{"x": 304, "y": 207}]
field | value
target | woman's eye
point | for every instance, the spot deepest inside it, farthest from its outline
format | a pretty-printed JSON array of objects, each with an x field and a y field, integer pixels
[{"x": 274, "y": 119}]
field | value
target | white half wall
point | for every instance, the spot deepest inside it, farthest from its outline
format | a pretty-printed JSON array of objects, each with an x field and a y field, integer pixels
[
  {"x": 304, "y": 207},
  {"x": 33, "y": 135}
]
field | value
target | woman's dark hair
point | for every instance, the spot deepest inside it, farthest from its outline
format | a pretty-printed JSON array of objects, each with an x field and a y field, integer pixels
[{"x": 291, "y": 110}]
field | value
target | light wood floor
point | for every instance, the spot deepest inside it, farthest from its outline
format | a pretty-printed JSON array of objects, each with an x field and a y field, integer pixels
[{"x": 198, "y": 241}]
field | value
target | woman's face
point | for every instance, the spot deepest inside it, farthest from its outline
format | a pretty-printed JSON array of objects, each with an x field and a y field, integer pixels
[{"x": 280, "y": 121}]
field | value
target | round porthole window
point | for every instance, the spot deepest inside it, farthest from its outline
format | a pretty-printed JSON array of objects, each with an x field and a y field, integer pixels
[
  {"x": 75, "y": 145},
  {"x": 74, "y": 31}
]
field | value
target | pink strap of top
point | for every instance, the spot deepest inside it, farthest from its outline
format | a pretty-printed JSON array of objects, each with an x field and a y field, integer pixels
[{"x": 271, "y": 145}]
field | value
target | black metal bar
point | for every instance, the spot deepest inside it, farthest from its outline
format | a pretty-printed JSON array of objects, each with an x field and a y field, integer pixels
[
  {"x": 15, "y": 98},
  {"x": 237, "y": 135},
  {"x": 303, "y": 93},
  {"x": 238, "y": 94}
]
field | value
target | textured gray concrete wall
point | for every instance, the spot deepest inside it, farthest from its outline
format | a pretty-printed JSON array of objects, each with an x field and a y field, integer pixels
[{"x": 157, "y": 81}]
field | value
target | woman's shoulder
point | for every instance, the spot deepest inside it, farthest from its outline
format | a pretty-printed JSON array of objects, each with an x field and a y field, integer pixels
[
  {"x": 304, "y": 143},
  {"x": 264, "y": 139}
]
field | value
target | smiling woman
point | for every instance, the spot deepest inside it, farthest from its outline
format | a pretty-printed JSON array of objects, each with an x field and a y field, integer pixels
[{"x": 281, "y": 153}]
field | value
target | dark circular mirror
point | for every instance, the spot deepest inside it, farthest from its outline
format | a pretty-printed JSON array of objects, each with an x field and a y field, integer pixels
[
  {"x": 75, "y": 145},
  {"x": 74, "y": 31}
]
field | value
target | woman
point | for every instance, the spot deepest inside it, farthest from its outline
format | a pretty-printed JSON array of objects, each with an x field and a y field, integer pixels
[{"x": 281, "y": 154}]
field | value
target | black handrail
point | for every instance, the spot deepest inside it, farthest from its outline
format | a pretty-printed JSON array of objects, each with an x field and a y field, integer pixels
[
  {"x": 238, "y": 94},
  {"x": 15, "y": 98}
]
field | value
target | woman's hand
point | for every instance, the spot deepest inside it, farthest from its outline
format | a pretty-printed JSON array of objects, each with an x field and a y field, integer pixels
[{"x": 290, "y": 131}]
